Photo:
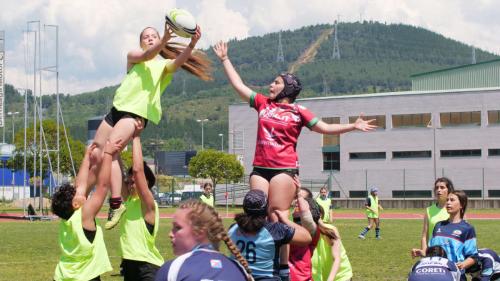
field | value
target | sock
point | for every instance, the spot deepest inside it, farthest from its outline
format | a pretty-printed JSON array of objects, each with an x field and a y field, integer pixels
[
  {"x": 377, "y": 232},
  {"x": 115, "y": 202},
  {"x": 364, "y": 231}
]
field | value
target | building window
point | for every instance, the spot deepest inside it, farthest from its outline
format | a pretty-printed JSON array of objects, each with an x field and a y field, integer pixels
[
  {"x": 449, "y": 119},
  {"x": 379, "y": 120},
  {"x": 331, "y": 140},
  {"x": 366, "y": 155},
  {"x": 331, "y": 161},
  {"x": 411, "y": 154},
  {"x": 411, "y": 194},
  {"x": 494, "y": 152},
  {"x": 461, "y": 153},
  {"x": 493, "y": 117},
  {"x": 411, "y": 120},
  {"x": 334, "y": 194},
  {"x": 474, "y": 193},
  {"x": 358, "y": 194},
  {"x": 494, "y": 193}
]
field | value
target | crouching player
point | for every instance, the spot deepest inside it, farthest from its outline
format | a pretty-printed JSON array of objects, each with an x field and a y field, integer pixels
[
  {"x": 434, "y": 267},
  {"x": 487, "y": 267}
]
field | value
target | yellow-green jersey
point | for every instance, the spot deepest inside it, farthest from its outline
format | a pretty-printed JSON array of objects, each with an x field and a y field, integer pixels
[
  {"x": 434, "y": 215},
  {"x": 140, "y": 91},
  {"x": 136, "y": 242},
  {"x": 80, "y": 259},
  {"x": 326, "y": 204},
  {"x": 372, "y": 202},
  {"x": 209, "y": 200},
  {"x": 322, "y": 261}
]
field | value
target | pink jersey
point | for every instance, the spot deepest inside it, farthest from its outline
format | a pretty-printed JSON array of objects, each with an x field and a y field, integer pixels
[
  {"x": 300, "y": 260},
  {"x": 278, "y": 130}
]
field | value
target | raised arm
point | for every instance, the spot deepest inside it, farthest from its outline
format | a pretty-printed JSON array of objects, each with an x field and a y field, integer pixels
[
  {"x": 139, "y": 55},
  {"x": 141, "y": 184},
  {"x": 336, "y": 129},
  {"x": 184, "y": 56},
  {"x": 94, "y": 203},
  {"x": 301, "y": 237},
  {"x": 81, "y": 181},
  {"x": 245, "y": 92}
]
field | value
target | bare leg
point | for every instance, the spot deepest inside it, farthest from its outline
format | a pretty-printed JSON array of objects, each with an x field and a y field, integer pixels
[
  {"x": 123, "y": 130},
  {"x": 281, "y": 194},
  {"x": 258, "y": 182},
  {"x": 100, "y": 138}
]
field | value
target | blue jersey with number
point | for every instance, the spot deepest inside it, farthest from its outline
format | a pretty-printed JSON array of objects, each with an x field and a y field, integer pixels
[
  {"x": 262, "y": 249},
  {"x": 457, "y": 239},
  {"x": 434, "y": 269}
]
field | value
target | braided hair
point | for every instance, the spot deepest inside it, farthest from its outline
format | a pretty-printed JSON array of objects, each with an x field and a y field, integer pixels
[{"x": 205, "y": 218}]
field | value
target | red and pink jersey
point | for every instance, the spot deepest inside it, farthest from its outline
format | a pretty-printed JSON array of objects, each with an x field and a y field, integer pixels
[
  {"x": 278, "y": 129},
  {"x": 300, "y": 259}
]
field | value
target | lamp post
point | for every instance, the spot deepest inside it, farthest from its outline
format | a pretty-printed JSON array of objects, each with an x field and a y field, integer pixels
[
  {"x": 221, "y": 142},
  {"x": 433, "y": 125},
  {"x": 202, "y": 136},
  {"x": 13, "y": 131}
]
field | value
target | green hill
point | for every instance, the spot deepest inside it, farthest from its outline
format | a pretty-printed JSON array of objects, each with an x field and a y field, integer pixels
[{"x": 375, "y": 57}]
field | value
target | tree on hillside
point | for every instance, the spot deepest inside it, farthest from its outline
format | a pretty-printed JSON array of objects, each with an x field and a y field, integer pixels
[
  {"x": 215, "y": 165},
  {"x": 50, "y": 132}
]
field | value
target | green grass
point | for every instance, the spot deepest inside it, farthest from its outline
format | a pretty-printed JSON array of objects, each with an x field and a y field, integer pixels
[{"x": 29, "y": 250}]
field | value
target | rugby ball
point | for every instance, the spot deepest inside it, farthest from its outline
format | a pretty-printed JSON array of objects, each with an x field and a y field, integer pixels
[{"x": 181, "y": 22}]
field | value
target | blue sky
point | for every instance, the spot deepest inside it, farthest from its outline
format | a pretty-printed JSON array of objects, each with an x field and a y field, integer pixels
[{"x": 95, "y": 35}]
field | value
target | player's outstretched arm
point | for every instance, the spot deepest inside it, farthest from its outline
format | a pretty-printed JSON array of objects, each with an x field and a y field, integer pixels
[
  {"x": 220, "y": 50},
  {"x": 334, "y": 129},
  {"x": 139, "y": 55},
  {"x": 301, "y": 237},
  {"x": 94, "y": 203},
  {"x": 81, "y": 181},
  {"x": 141, "y": 184}
]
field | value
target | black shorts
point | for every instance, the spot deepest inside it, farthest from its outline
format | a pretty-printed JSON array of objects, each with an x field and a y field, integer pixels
[
  {"x": 115, "y": 115},
  {"x": 268, "y": 174},
  {"x": 138, "y": 270}
]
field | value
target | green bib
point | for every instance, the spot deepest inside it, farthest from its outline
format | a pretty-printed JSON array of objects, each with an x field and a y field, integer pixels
[
  {"x": 80, "y": 260},
  {"x": 135, "y": 240},
  {"x": 322, "y": 262},
  {"x": 435, "y": 215},
  {"x": 140, "y": 91},
  {"x": 374, "y": 206},
  {"x": 325, "y": 204},
  {"x": 206, "y": 200}
]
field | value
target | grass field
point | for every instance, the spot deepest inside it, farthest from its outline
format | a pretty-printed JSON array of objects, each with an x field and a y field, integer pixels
[{"x": 29, "y": 250}]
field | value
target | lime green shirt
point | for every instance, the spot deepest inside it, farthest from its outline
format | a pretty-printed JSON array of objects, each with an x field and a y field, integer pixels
[
  {"x": 207, "y": 200},
  {"x": 435, "y": 215},
  {"x": 80, "y": 259},
  {"x": 322, "y": 262},
  {"x": 140, "y": 91},
  {"x": 325, "y": 204},
  {"x": 374, "y": 206},
  {"x": 136, "y": 242}
]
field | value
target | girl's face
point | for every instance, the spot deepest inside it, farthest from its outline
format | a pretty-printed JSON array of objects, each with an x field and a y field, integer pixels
[
  {"x": 149, "y": 37},
  {"x": 208, "y": 189},
  {"x": 276, "y": 87},
  {"x": 453, "y": 204},
  {"x": 440, "y": 190},
  {"x": 182, "y": 236}
]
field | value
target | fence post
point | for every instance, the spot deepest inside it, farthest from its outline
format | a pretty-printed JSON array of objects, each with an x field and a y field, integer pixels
[
  {"x": 483, "y": 185},
  {"x": 404, "y": 187}
]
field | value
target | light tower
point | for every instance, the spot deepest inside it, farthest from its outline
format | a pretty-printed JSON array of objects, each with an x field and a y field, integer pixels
[
  {"x": 336, "y": 49},
  {"x": 280, "y": 57}
]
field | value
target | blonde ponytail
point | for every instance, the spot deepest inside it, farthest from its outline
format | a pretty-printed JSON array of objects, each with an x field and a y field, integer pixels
[
  {"x": 197, "y": 64},
  {"x": 205, "y": 218}
]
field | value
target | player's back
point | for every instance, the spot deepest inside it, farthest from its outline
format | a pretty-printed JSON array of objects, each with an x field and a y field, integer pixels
[{"x": 434, "y": 269}]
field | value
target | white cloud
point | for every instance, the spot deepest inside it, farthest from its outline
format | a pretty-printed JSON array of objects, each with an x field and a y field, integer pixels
[{"x": 218, "y": 22}]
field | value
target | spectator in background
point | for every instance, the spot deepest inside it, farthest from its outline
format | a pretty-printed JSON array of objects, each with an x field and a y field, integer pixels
[
  {"x": 207, "y": 197},
  {"x": 372, "y": 208}
]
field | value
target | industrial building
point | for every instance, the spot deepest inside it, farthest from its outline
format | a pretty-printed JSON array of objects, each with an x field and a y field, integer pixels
[{"x": 447, "y": 125}]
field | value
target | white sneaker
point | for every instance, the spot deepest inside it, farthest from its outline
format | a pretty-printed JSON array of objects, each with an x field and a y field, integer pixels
[{"x": 361, "y": 237}]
